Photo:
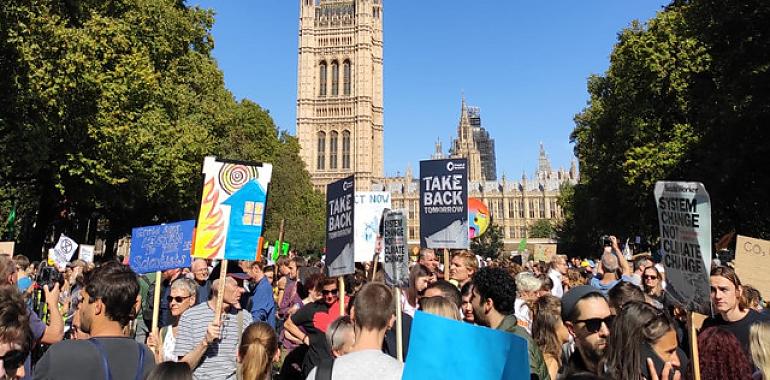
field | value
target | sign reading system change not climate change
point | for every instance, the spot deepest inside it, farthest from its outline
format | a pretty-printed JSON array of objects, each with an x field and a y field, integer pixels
[
  {"x": 339, "y": 227},
  {"x": 684, "y": 214},
  {"x": 444, "y": 204}
]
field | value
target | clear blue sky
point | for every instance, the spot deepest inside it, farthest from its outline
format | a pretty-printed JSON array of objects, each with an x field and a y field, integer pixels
[{"x": 524, "y": 63}]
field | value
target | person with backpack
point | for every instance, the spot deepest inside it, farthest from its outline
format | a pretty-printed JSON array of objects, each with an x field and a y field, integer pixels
[{"x": 107, "y": 305}]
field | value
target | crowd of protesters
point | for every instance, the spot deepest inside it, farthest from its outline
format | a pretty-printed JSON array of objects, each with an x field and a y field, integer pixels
[{"x": 609, "y": 318}]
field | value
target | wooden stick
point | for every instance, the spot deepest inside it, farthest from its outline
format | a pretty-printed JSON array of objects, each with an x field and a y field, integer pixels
[
  {"x": 446, "y": 264},
  {"x": 221, "y": 291},
  {"x": 280, "y": 243},
  {"x": 375, "y": 260},
  {"x": 156, "y": 308},
  {"x": 693, "y": 346},
  {"x": 341, "y": 292},
  {"x": 399, "y": 340}
]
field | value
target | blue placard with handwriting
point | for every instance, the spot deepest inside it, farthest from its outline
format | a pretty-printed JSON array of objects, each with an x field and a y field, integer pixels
[{"x": 158, "y": 248}]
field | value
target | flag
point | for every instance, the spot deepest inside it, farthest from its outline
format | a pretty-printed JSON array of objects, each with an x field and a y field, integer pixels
[
  {"x": 522, "y": 245},
  {"x": 10, "y": 222}
]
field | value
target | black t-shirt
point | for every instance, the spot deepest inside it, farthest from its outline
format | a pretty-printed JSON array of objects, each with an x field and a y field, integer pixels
[
  {"x": 315, "y": 328},
  {"x": 80, "y": 359},
  {"x": 739, "y": 328}
]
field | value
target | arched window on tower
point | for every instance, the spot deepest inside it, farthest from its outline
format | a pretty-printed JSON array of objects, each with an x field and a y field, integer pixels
[
  {"x": 346, "y": 77},
  {"x": 321, "y": 162},
  {"x": 333, "y": 150},
  {"x": 346, "y": 149},
  {"x": 335, "y": 78},
  {"x": 322, "y": 78}
]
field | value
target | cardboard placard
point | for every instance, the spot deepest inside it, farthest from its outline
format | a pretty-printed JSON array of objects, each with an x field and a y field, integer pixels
[
  {"x": 752, "y": 263},
  {"x": 369, "y": 207},
  {"x": 684, "y": 214},
  {"x": 6, "y": 248},
  {"x": 544, "y": 252},
  {"x": 340, "y": 227},
  {"x": 63, "y": 251},
  {"x": 86, "y": 253},
  {"x": 162, "y": 247},
  {"x": 444, "y": 204}
]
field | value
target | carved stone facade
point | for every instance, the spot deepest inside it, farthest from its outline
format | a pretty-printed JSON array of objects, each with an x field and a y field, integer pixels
[
  {"x": 339, "y": 90},
  {"x": 474, "y": 144}
]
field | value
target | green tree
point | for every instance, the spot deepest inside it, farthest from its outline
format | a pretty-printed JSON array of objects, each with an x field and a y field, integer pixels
[
  {"x": 490, "y": 244},
  {"x": 542, "y": 228}
]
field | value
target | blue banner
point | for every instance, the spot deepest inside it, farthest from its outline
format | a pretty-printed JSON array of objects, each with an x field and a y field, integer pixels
[
  {"x": 158, "y": 248},
  {"x": 441, "y": 348}
]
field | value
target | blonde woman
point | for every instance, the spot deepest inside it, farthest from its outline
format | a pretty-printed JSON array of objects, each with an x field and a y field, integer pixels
[
  {"x": 440, "y": 306},
  {"x": 759, "y": 341},
  {"x": 257, "y": 352}
]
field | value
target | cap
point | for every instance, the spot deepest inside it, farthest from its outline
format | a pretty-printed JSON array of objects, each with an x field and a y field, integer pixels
[
  {"x": 573, "y": 296},
  {"x": 233, "y": 270}
]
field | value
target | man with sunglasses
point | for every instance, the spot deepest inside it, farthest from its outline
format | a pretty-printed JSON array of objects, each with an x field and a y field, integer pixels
[
  {"x": 315, "y": 318},
  {"x": 15, "y": 333},
  {"x": 586, "y": 314}
]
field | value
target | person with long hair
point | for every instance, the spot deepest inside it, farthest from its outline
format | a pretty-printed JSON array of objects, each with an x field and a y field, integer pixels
[
  {"x": 258, "y": 351},
  {"x": 549, "y": 332},
  {"x": 759, "y": 343},
  {"x": 440, "y": 306},
  {"x": 729, "y": 303},
  {"x": 467, "y": 307},
  {"x": 720, "y": 356},
  {"x": 639, "y": 334},
  {"x": 171, "y": 371},
  {"x": 419, "y": 279}
]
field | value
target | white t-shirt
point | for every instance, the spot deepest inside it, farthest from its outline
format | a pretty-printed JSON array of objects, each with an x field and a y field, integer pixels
[
  {"x": 521, "y": 311},
  {"x": 366, "y": 364},
  {"x": 169, "y": 342}
]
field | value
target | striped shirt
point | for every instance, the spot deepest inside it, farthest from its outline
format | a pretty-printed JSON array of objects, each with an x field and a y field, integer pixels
[{"x": 219, "y": 360}]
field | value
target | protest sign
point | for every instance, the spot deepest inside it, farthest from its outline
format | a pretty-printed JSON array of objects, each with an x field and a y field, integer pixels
[
  {"x": 444, "y": 204},
  {"x": 752, "y": 263},
  {"x": 86, "y": 253},
  {"x": 340, "y": 227},
  {"x": 6, "y": 248},
  {"x": 486, "y": 353},
  {"x": 684, "y": 214},
  {"x": 369, "y": 207},
  {"x": 232, "y": 209},
  {"x": 544, "y": 252},
  {"x": 396, "y": 256},
  {"x": 63, "y": 251},
  {"x": 158, "y": 248}
]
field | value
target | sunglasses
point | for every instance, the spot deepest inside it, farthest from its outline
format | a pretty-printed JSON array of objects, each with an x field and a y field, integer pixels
[
  {"x": 327, "y": 292},
  {"x": 647, "y": 277},
  {"x": 177, "y": 299},
  {"x": 593, "y": 325},
  {"x": 12, "y": 360}
]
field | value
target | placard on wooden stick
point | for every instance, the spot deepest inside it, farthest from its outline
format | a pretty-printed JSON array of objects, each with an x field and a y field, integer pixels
[{"x": 752, "y": 263}]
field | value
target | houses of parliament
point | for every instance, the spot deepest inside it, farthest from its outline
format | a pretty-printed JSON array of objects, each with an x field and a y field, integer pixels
[{"x": 340, "y": 124}]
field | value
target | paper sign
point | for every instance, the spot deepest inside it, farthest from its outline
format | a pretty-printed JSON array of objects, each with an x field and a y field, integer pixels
[
  {"x": 86, "y": 253},
  {"x": 444, "y": 204},
  {"x": 369, "y": 207},
  {"x": 232, "y": 209},
  {"x": 6, "y": 248},
  {"x": 63, "y": 251},
  {"x": 340, "y": 227},
  {"x": 752, "y": 263},
  {"x": 684, "y": 215},
  {"x": 486, "y": 353},
  {"x": 544, "y": 252},
  {"x": 396, "y": 256},
  {"x": 158, "y": 248}
]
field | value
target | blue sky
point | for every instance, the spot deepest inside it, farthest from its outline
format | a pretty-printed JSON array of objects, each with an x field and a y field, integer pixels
[{"x": 525, "y": 64}]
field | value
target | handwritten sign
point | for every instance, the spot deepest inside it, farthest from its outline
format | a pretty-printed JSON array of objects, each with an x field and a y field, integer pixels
[
  {"x": 752, "y": 263},
  {"x": 396, "y": 255},
  {"x": 684, "y": 214},
  {"x": 158, "y": 248},
  {"x": 369, "y": 207},
  {"x": 544, "y": 252}
]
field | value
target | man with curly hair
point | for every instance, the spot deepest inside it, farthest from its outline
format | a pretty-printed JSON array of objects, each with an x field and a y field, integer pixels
[{"x": 493, "y": 300}]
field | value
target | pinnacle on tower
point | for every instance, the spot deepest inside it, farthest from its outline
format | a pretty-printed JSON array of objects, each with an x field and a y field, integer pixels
[{"x": 543, "y": 165}]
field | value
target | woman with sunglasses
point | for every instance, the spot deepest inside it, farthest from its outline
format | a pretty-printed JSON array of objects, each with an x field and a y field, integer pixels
[
  {"x": 642, "y": 345},
  {"x": 15, "y": 333},
  {"x": 181, "y": 297}
]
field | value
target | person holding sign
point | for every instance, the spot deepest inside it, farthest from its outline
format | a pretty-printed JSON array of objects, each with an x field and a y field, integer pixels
[
  {"x": 208, "y": 344},
  {"x": 732, "y": 312},
  {"x": 182, "y": 297}
]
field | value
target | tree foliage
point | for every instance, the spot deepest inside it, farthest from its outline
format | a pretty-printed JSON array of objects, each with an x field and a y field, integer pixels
[
  {"x": 107, "y": 109},
  {"x": 685, "y": 98},
  {"x": 490, "y": 244},
  {"x": 541, "y": 228}
]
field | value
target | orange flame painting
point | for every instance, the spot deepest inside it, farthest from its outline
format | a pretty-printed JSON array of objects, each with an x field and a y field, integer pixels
[{"x": 210, "y": 232}]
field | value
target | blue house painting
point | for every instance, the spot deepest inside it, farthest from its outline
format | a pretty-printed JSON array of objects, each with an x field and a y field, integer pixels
[{"x": 247, "y": 212}]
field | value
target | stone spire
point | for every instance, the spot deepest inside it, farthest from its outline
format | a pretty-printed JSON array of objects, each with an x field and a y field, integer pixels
[
  {"x": 439, "y": 153},
  {"x": 543, "y": 165}
]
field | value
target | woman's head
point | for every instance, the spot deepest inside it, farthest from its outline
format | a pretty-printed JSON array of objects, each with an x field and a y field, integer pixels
[
  {"x": 759, "y": 342},
  {"x": 721, "y": 356},
  {"x": 726, "y": 291},
  {"x": 652, "y": 280},
  {"x": 439, "y": 306},
  {"x": 575, "y": 277},
  {"x": 258, "y": 351},
  {"x": 467, "y": 306},
  {"x": 548, "y": 329},
  {"x": 171, "y": 371},
  {"x": 182, "y": 296},
  {"x": 419, "y": 279},
  {"x": 15, "y": 334},
  {"x": 622, "y": 293},
  {"x": 340, "y": 335},
  {"x": 528, "y": 286},
  {"x": 636, "y": 325}
]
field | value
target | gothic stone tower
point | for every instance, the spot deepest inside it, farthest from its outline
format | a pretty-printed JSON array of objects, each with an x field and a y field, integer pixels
[{"x": 339, "y": 90}]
